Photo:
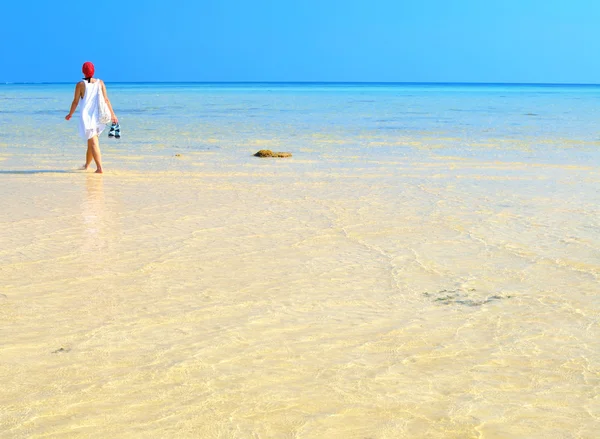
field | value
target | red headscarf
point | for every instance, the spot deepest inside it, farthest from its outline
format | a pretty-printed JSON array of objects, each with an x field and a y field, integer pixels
[{"x": 88, "y": 69}]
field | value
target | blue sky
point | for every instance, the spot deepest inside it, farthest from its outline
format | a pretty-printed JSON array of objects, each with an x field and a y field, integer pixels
[{"x": 550, "y": 41}]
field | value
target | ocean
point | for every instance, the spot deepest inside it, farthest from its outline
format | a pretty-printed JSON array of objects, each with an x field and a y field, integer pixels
[
  {"x": 551, "y": 123},
  {"x": 425, "y": 265}
]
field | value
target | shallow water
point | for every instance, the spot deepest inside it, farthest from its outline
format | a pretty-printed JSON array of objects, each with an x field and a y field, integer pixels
[{"x": 403, "y": 275}]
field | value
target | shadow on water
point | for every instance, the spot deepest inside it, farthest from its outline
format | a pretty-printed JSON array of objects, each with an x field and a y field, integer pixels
[{"x": 40, "y": 171}]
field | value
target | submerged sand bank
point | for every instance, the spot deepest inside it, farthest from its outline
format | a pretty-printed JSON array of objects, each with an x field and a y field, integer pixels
[{"x": 440, "y": 299}]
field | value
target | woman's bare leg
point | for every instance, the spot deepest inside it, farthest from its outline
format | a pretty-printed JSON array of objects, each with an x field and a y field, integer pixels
[
  {"x": 88, "y": 155},
  {"x": 94, "y": 146}
]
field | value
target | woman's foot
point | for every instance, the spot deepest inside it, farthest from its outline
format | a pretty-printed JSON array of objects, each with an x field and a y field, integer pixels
[
  {"x": 98, "y": 171},
  {"x": 83, "y": 167}
]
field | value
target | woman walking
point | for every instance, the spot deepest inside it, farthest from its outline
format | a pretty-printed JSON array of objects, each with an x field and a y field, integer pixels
[{"x": 90, "y": 127}]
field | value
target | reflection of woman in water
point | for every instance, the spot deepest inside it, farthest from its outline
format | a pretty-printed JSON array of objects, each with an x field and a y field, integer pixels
[
  {"x": 90, "y": 127},
  {"x": 94, "y": 216}
]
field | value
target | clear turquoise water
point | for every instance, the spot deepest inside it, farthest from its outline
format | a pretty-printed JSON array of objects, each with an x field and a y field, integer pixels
[{"x": 325, "y": 123}]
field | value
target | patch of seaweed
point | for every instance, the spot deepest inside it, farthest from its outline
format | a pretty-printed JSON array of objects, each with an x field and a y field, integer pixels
[{"x": 462, "y": 297}]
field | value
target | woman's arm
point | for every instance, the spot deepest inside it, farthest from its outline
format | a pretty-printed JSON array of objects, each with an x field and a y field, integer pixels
[
  {"x": 114, "y": 116},
  {"x": 76, "y": 98}
]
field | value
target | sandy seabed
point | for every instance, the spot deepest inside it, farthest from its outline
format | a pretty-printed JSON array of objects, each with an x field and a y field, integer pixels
[{"x": 445, "y": 298}]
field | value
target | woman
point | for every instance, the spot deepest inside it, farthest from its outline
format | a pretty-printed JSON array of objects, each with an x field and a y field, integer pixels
[{"x": 90, "y": 127}]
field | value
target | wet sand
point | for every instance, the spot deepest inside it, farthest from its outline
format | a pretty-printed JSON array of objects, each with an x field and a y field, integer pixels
[{"x": 440, "y": 298}]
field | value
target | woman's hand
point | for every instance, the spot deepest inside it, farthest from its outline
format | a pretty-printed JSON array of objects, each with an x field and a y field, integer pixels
[
  {"x": 68, "y": 116},
  {"x": 114, "y": 118}
]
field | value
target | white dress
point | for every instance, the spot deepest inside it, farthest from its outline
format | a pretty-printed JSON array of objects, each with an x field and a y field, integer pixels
[{"x": 89, "y": 122}]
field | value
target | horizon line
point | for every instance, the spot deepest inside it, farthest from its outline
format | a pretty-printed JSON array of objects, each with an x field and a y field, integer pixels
[{"x": 320, "y": 83}]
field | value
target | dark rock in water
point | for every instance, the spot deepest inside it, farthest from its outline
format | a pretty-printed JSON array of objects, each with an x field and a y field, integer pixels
[
  {"x": 61, "y": 350},
  {"x": 177, "y": 155},
  {"x": 269, "y": 153},
  {"x": 462, "y": 297}
]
